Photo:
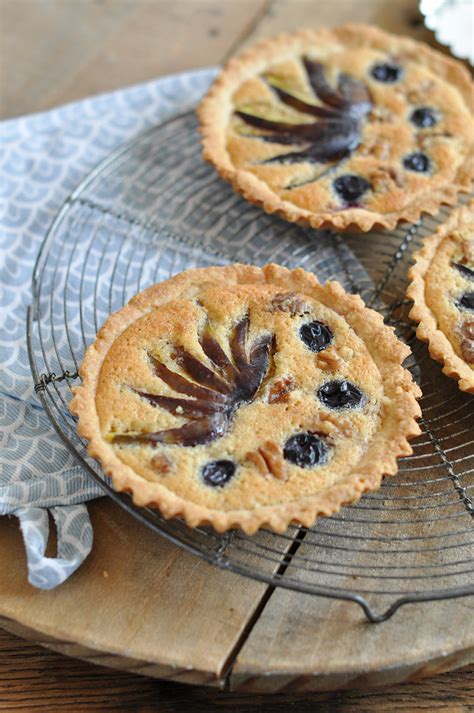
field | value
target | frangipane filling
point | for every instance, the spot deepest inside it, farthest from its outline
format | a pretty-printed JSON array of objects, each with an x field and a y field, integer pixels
[
  {"x": 343, "y": 131},
  {"x": 450, "y": 290},
  {"x": 241, "y": 401}
]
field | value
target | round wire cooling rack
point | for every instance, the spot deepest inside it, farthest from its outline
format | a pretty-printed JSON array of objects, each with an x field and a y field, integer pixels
[{"x": 154, "y": 208}]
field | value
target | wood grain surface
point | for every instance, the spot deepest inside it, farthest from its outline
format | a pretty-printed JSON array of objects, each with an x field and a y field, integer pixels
[
  {"x": 37, "y": 680},
  {"x": 167, "y": 613},
  {"x": 167, "y": 606}
]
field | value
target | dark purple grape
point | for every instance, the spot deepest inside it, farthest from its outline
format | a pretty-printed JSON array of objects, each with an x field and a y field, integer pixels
[
  {"x": 424, "y": 117},
  {"x": 316, "y": 336},
  {"x": 350, "y": 187},
  {"x": 464, "y": 270},
  {"x": 467, "y": 301},
  {"x": 218, "y": 472},
  {"x": 386, "y": 72},
  {"x": 306, "y": 450},
  {"x": 340, "y": 394},
  {"x": 418, "y": 162}
]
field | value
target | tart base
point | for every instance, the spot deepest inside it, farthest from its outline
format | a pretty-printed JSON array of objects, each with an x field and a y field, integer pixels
[
  {"x": 439, "y": 346},
  {"x": 399, "y": 409},
  {"x": 217, "y": 107}
]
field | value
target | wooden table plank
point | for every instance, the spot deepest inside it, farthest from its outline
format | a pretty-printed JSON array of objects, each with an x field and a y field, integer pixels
[
  {"x": 400, "y": 17},
  {"x": 36, "y": 680},
  {"x": 82, "y": 47},
  {"x": 166, "y": 612},
  {"x": 301, "y": 642}
]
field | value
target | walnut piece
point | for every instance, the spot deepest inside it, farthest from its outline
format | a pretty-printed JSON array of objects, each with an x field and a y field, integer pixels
[
  {"x": 268, "y": 460},
  {"x": 467, "y": 247},
  {"x": 380, "y": 149},
  {"x": 162, "y": 463},
  {"x": 339, "y": 423},
  {"x": 256, "y": 458},
  {"x": 329, "y": 359},
  {"x": 280, "y": 390},
  {"x": 287, "y": 302},
  {"x": 418, "y": 95},
  {"x": 384, "y": 178},
  {"x": 346, "y": 353},
  {"x": 466, "y": 333}
]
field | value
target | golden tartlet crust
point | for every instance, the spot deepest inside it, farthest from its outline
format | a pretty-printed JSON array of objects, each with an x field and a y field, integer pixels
[
  {"x": 267, "y": 491},
  {"x": 434, "y": 286},
  {"x": 431, "y": 79}
]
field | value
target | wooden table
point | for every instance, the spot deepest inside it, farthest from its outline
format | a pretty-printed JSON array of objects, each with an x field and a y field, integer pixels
[{"x": 55, "y": 51}]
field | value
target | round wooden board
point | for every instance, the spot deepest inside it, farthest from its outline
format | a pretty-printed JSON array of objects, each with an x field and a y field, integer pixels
[{"x": 141, "y": 604}]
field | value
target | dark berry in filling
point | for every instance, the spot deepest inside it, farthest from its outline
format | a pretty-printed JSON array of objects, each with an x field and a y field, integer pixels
[
  {"x": 424, "y": 117},
  {"x": 340, "y": 394},
  {"x": 351, "y": 187},
  {"x": 467, "y": 301},
  {"x": 218, "y": 472},
  {"x": 385, "y": 72},
  {"x": 418, "y": 162},
  {"x": 316, "y": 336},
  {"x": 306, "y": 450},
  {"x": 464, "y": 270}
]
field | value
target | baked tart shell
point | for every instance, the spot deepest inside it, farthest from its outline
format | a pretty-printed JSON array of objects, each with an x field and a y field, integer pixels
[
  {"x": 396, "y": 416},
  {"x": 440, "y": 347},
  {"x": 216, "y": 111}
]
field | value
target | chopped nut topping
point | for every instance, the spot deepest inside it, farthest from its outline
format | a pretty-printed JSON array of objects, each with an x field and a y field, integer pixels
[
  {"x": 287, "y": 302},
  {"x": 280, "y": 390},
  {"x": 258, "y": 461},
  {"x": 380, "y": 149},
  {"x": 466, "y": 332},
  {"x": 467, "y": 247},
  {"x": 342, "y": 424},
  {"x": 384, "y": 178},
  {"x": 273, "y": 456},
  {"x": 162, "y": 463},
  {"x": 346, "y": 353},
  {"x": 323, "y": 425},
  {"x": 269, "y": 460},
  {"x": 467, "y": 329},
  {"x": 417, "y": 95},
  {"x": 329, "y": 359}
]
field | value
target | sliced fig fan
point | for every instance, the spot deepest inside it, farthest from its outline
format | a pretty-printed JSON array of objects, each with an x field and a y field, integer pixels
[
  {"x": 334, "y": 134},
  {"x": 213, "y": 395}
]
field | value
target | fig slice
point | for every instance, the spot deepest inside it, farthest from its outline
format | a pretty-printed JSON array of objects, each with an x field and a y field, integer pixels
[
  {"x": 180, "y": 384},
  {"x": 336, "y": 131},
  {"x": 199, "y": 372},
  {"x": 215, "y": 396},
  {"x": 216, "y": 354},
  {"x": 191, "y": 408},
  {"x": 191, "y": 434},
  {"x": 238, "y": 342}
]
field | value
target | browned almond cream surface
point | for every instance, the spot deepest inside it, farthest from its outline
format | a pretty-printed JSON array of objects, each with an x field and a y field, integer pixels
[{"x": 246, "y": 397}]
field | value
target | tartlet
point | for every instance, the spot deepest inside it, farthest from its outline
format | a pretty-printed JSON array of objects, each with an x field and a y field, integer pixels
[
  {"x": 442, "y": 290},
  {"x": 246, "y": 397},
  {"x": 351, "y": 127}
]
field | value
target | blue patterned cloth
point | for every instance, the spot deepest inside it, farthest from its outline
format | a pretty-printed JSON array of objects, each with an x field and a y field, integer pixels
[{"x": 42, "y": 159}]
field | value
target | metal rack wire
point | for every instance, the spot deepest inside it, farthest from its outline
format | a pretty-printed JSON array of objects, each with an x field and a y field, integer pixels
[{"x": 153, "y": 209}]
